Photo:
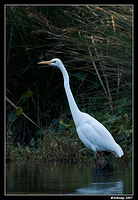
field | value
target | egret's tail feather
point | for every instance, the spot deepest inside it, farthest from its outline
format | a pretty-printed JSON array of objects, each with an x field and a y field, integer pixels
[{"x": 119, "y": 152}]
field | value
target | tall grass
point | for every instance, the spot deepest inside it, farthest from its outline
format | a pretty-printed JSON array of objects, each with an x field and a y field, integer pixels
[{"x": 95, "y": 45}]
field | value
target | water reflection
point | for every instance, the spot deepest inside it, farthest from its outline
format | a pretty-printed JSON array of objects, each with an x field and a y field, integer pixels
[
  {"x": 102, "y": 188},
  {"x": 66, "y": 178}
]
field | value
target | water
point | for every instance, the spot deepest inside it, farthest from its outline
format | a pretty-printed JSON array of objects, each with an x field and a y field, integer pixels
[{"x": 67, "y": 178}]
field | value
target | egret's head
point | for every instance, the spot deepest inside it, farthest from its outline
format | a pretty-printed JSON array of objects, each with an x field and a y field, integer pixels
[{"x": 54, "y": 62}]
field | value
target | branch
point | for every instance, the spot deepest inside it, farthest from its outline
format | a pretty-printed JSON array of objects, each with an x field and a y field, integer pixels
[{"x": 22, "y": 112}]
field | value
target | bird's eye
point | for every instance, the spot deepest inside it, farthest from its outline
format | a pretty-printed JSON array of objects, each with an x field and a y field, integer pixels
[{"x": 53, "y": 61}]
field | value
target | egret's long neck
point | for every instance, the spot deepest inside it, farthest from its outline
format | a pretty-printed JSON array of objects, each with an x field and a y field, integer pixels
[{"x": 76, "y": 113}]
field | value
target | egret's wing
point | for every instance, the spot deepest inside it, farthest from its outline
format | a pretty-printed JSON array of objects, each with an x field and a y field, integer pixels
[
  {"x": 106, "y": 139},
  {"x": 91, "y": 136},
  {"x": 88, "y": 136}
]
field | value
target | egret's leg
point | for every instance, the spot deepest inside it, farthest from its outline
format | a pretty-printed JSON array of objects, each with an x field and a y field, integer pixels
[
  {"x": 96, "y": 169},
  {"x": 105, "y": 157},
  {"x": 106, "y": 160},
  {"x": 98, "y": 154}
]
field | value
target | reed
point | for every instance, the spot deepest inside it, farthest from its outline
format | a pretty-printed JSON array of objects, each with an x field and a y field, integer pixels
[{"x": 94, "y": 43}]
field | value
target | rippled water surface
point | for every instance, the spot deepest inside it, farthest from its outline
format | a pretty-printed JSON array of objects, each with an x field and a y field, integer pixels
[{"x": 67, "y": 178}]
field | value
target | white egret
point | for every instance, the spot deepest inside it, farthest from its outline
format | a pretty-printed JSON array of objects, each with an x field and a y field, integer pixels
[{"x": 91, "y": 132}]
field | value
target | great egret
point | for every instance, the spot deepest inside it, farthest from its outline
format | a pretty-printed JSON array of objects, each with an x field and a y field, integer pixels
[{"x": 91, "y": 132}]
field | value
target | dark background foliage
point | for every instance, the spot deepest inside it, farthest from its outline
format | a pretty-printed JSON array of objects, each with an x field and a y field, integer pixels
[{"x": 95, "y": 45}]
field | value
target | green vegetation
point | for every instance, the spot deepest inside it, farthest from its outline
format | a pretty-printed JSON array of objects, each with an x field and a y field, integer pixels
[{"x": 95, "y": 45}]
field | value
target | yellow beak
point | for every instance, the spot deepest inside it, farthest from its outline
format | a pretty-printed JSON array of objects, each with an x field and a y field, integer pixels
[{"x": 46, "y": 62}]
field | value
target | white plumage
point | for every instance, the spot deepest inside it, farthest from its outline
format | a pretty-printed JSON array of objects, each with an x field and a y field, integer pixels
[
  {"x": 91, "y": 132},
  {"x": 96, "y": 137}
]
